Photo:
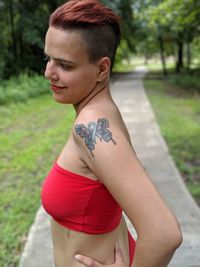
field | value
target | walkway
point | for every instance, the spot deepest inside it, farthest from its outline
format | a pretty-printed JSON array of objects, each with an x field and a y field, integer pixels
[{"x": 153, "y": 153}]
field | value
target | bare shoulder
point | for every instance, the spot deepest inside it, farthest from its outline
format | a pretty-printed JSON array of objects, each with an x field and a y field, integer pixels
[
  {"x": 102, "y": 136},
  {"x": 94, "y": 128}
]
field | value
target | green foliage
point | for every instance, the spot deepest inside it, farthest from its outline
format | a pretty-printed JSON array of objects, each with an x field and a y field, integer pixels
[
  {"x": 23, "y": 26},
  {"x": 174, "y": 23},
  {"x": 21, "y": 88},
  {"x": 124, "y": 65},
  {"x": 123, "y": 53},
  {"x": 32, "y": 135},
  {"x": 187, "y": 81},
  {"x": 195, "y": 50},
  {"x": 174, "y": 17},
  {"x": 146, "y": 24},
  {"x": 124, "y": 9}
]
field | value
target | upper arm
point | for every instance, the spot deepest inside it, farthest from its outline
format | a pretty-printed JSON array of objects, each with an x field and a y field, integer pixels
[{"x": 117, "y": 166}]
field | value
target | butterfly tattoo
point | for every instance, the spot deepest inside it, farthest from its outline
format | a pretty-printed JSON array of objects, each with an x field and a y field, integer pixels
[{"x": 94, "y": 130}]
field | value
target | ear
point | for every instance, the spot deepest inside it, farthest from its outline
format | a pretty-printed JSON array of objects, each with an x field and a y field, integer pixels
[{"x": 103, "y": 68}]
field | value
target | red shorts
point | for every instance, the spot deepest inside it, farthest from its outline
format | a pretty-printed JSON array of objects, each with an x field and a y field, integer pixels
[{"x": 131, "y": 242}]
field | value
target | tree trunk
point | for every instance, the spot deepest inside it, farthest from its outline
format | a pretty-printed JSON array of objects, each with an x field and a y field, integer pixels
[
  {"x": 11, "y": 14},
  {"x": 21, "y": 53},
  {"x": 162, "y": 55},
  {"x": 175, "y": 55},
  {"x": 145, "y": 59},
  {"x": 188, "y": 51},
  {"x": 179, "y": 65}
]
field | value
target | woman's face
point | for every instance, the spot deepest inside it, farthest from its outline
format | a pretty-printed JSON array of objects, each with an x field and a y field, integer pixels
[{"x": 71, "y": 75}]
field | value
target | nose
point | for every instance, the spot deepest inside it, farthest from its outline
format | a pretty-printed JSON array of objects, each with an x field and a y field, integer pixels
[{"x": 50, "y": 72}]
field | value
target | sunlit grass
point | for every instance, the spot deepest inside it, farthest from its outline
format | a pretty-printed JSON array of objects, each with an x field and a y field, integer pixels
[
  {"x": 124, "y": 66},
  {"x": 156, "y": 64},
  {"x": 135, "y": 61}
]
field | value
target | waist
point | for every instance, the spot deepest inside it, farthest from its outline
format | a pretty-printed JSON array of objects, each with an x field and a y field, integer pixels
[{"x": 67, "y": 243}]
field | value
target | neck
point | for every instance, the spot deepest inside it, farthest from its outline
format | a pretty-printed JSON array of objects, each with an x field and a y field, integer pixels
[{"x": 101, "y": 89}]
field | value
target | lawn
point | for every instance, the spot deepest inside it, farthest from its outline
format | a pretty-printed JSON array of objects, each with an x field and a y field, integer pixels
[
  {"x": 178, "y": 113},
  {"x": 32, "y": 134}
]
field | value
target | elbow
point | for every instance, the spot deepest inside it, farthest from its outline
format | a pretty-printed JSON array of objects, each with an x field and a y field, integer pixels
[
  {"x": 175, "y": 237},
  {"x": 165, "y": 238},
  {"x": 171, "y": 238}
]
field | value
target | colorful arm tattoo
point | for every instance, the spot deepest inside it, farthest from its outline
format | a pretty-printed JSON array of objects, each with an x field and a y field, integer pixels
[{"x": 92, "y": 130}]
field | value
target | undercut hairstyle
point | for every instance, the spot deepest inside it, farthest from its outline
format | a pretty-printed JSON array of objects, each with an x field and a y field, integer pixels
[{"x": 98, "y": 25}]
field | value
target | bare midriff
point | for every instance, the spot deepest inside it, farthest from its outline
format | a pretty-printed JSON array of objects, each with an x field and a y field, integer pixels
[{"x": 67, "y": 243}]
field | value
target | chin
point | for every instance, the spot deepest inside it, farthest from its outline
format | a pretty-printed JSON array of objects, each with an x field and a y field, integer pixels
[{"x": 61, "y": 100}]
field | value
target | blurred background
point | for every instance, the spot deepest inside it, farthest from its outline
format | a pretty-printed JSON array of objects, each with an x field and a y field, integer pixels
[{"x": 163, "y": 36}]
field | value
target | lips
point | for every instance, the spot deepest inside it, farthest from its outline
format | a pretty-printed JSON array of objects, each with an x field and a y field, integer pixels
[{"x": 55, "y": 87}]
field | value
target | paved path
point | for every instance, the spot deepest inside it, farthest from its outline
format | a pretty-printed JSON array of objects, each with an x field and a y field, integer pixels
[{"x": 152, "y": 151}]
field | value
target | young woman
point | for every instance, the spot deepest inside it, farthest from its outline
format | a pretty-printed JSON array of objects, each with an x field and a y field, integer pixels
[{"x": 97, "y": 174}]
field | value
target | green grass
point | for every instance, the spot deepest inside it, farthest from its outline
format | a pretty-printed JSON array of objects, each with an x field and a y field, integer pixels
[
  {"x": 178, "y": 114},
  {"x": 153, "y": 65},
  {"x": 195, "y": 189},
  {"x": 32, "y": 135},
  {"x": 156, "y": 64}
]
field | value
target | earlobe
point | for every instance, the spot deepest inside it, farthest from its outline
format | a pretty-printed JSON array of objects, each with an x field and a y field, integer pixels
[{"x": 104, "y": 69}]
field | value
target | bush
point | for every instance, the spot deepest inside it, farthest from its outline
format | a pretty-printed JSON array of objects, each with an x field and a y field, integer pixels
[
  {"x": 23, "y": 87},
  {"x": 187, "y": 81}
]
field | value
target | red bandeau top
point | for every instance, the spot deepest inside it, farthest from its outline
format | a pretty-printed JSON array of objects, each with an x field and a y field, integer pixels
[{"x": 79, "y": 203}]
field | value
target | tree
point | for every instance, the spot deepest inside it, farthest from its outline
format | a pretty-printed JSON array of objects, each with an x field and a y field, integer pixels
[
  {"x": 24, "y": 24},
  {"x": 172, "y": 23},
  {"x": 124, "y": 9}
]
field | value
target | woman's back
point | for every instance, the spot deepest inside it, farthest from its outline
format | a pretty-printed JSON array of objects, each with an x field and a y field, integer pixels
[{"x": 105, "y": 217}]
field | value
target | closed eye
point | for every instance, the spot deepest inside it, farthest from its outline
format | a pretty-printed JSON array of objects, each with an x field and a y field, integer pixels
[{"x": 64, "y": 64}]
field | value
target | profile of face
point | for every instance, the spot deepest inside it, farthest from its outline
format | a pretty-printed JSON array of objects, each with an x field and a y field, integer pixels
[{"x": 72, "y": 76}]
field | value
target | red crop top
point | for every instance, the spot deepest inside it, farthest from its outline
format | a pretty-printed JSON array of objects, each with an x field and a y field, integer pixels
[{"x": 79, "y": 203}]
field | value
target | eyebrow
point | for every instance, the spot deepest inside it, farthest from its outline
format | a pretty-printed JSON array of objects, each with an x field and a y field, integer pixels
[{"x": 60, "y": 59}]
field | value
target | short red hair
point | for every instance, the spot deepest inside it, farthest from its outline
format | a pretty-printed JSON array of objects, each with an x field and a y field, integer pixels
[{"x": 98, "y": 25}]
